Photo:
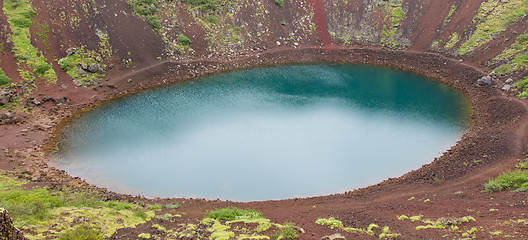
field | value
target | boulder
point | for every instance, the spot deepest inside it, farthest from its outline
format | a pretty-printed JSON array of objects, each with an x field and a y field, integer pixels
[
  {"x": 335, "y": 236},
  {"x": 5, "y": 97},
  {"x": 506, "y": 87},
  {"x": 7, "y": 230},
  {"x": 71, "y": 51},
  {"x": 81, "y": 71},
  {"x": 485, "y": 81},
  {"x": 509, "y": 81},
  {"x": 95, "y": 68},
  {"x": 60, "y": 100}
]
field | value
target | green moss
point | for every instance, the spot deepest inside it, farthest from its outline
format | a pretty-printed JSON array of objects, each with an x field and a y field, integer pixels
[
  {"x": 512, "y": 179},
  {"x": 233, "y": 213},
  {"x": 279, "y": 2},
  {"x": 184, "y": 40},
  {"x": 4, "y": 79},
  {"x": 493, "y": 17},
  {"x": 72, "y": 66},
  {"x": 147, "y": 9},
  {"x": 453, "y": 39},
  {"x": 19, "y": 16},
  {"x": 395, "y": 14},
  {"x": 372, "y": 230},
  {"x": 82, "y": 232},
  {"x": 207, "y": 6},
  {"x": 144, "y": 235},
  {"x": 330, "y": 222},
  {"x": 52, "y": 214},
  {"x": 155, "y": 207},
  {"x": 288, "y": 231}
]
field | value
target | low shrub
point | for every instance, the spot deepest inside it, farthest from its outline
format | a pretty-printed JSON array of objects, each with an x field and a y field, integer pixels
[
  {"x": 330, "y": 222},
  {"x": 233, "y": 213},
  {"x": 288, "y": 231},
  {"x": 42, "y": 68},
  {"x": 523, "y": 84},
  {"x": 279, "y": 2},
  {"x": 212, "y": 19},
  {"x": 184, "y": 40},
  {"x": 82, "y": 232},
  {"x": 516, "y": 178},
  {"x": 4, "y": 79},
  {"x": 206, "y": 6},
  {"x": 154, "y": 22}
]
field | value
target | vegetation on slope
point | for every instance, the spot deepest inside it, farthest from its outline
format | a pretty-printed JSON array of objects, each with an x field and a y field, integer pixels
[
  {"x": 395, "y": 15},
  {"x": 515, "y": 57},
  {"x": 147, "y": 9},
  {"x": 493, "y": 17},
  {"x": 43, "y": 214},
  {"x": 19, "y": 16},
  {"x": 4, "y": 79},
  {"x": 517, "y": 178}
]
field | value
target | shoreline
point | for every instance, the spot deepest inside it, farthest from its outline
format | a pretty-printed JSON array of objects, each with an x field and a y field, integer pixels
[
  {"x": 493, "y": 144},
  {"x": 466, "y": 86}
]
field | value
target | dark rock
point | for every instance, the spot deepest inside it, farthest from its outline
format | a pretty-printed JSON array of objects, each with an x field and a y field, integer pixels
[
  {"x": 5, "y": 97},
  {"x": 485, "y": 81},
  {"x": 335, "y": 236},
  {"x": 95, "y": 68},
  {"x": 71, "y": 51},
  {"x": 81, "y": 71},
  {"x": 7, "y": 230},
  {"x": 60, "y": 100},
  {"x": 47, "y": 99},
  {"x": 36, "y": 102}
]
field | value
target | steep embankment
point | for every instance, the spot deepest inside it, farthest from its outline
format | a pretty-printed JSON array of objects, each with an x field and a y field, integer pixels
[{"x": 59, "y": 57}]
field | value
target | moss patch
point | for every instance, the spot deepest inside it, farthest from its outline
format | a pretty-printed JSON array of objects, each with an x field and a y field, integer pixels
[
  {"x": 19, "y": 16},
  {"x": 372, "y": 230},
  {"x": 512, "y": 179},
  {"x": 493, "y": 17},
  {"x": 50, "y": 214}
]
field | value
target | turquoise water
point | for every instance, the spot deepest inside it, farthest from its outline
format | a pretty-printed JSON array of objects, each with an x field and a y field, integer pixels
[{"x": 266, "y": 133}]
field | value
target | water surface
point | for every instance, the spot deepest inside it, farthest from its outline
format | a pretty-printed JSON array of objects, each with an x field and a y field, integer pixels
[{"x": 266, "y": 133}]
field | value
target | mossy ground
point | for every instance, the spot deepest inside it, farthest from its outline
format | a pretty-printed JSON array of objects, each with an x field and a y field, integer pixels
[
  {"x": 42, "y": 213},
  {"x": 32, "y": 62}
]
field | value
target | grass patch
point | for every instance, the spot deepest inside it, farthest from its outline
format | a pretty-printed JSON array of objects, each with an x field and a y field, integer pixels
[
  {"x": 279, "y": 2},
  {"x": 82, "y": 232},
  {"x": 515, "y": 57},
  {"x": 19, "y": 16},
  {"x": 330, "y": 222},
  {"x": 372, "y": 230},
  {"x": 4, "y": 79},
  {"x": 493, "y": 17},
  {"x": 184, "y": 40},
  {"x": 207, "y": 6},
  {"x": 72, "y": 66},
  {"x": 173, "y": 206},
  {"x": 148, "y": 9},
  {"x": 233, "y": 213},
  {"x": 395, "y": 14},
  {"x": 523, "y": 84},
  {"x": 512, "y": 179},
  {"x": 288, "y": 231},
  {"x": 53, "y": 214}
]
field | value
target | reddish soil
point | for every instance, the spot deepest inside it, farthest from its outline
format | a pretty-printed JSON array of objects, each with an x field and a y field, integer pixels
[{"x": 452, "y": 183}]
